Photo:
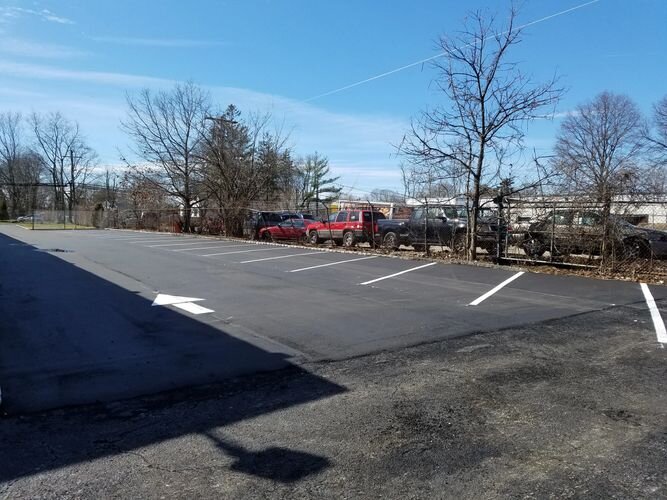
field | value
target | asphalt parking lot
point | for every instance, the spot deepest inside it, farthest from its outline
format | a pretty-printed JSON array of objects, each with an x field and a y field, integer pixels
[
  {"x": 284, "y": 304},
  {"x": 300, "y": 372}
]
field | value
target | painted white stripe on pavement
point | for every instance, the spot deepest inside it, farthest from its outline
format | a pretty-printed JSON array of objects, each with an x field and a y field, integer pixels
[
  {"x": 397, "y": 274},
  {"x": 213, "y": 248},
  {"x": 151, "y": 240},
  {"x": 129, "y": 238},
  {"x": 279, "y": 257},
  {"x": 193, "y": 308},
  {"x": 331, "y": 264},
  {"x": 244, "y": 251},
  {"x": 658, "y": 323},
  {"x": 495, "y": 289},
  {"x": 191, "y": 242}
]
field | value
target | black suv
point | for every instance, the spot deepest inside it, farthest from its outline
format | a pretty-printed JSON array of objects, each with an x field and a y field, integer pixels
[{"x": 569, "y": 231}]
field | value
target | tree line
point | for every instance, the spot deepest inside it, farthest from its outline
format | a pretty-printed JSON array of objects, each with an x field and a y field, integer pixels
[
  {"x": 184, "y": 155},
  {"x": 187, "y": 153}
]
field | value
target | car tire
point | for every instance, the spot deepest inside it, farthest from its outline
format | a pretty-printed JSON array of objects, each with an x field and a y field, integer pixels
[
  {"x": 303, "y": 239},
  {"x": 349, "y": 239},
  {"x": 313, "y": 238},
  {"x": 533, "y": 247},
  {"x": 459, "y": 244},
  {"x": 390, "y": 241},
  {"x": 419, "y": 247},
  {"x": 636, "y": 248}
]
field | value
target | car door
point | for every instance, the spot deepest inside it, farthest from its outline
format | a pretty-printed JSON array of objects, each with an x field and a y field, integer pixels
[
  {"x": 339, "y": 224},
  {"x": 590, "y": 231},
  {"x": 416, "y": 228},
  {"x": 440, "y": 230}
]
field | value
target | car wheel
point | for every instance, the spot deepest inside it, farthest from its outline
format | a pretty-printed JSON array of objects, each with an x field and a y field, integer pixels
[
  {"x": 303, "y": 239},
  {"x": 349, "y": 240},
  {"x": 459, "y": 244},
  {"x": 533, "y": 247},
  {"x": 390, "y": 240},
  {"x": 267, "y": 236},
  {"x": 636, "y": 248},
  {"x": 313, "y": 238},
  {"x": 418, "y": 247}
]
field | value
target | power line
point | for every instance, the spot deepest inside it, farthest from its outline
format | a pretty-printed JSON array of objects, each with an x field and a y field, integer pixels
[{"x": 422, "y": 61}]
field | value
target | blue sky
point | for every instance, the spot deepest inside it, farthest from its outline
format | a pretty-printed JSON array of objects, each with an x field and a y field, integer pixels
[{"x": 82, "y": 56}]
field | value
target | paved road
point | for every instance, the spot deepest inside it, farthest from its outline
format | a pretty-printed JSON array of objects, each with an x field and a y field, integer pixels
[{"x": 77, "y": 309}]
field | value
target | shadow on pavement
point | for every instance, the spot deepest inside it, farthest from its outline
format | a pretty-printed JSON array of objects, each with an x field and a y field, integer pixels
[{"x": 68, "y": 337}]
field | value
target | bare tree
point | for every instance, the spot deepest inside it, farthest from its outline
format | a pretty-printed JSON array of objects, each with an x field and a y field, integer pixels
[
  {"x": 245, "y": 163},
  {"x": 64, "y": 155},
  {"x": 598, "y": 151},
  {"x": 656, "y": 137},
  {"x": 598, "y": 148},
  {"x": 489, "y": 101},
  {"x": 19, "y": 167},
  {"x": 140, "y": 195},
  {"x": 386, "y": 195},
  {"x": 168, "y": 130}
]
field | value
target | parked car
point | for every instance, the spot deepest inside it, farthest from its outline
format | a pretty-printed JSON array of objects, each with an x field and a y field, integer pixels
[
  {"x": 290, "y": 229},
  {"x": 582, "y": 232},
  {"x": 347, "y": 227},
  {"x": 29, "y": 218},
  {"x": 259, "y": 220},
  {"x": 444, "y": 225},
  {"x": 297, "y": 215}
]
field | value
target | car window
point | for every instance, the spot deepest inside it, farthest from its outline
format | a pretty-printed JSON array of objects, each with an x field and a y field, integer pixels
[
  {"x": 342, "y": 217},
  {"x": 373, "y": 215},
  {"x": 589, "y": 219},
  {"x": 269, "y": 217},
  {"x": 296, "y": 222},
  {"x": 451, "y": 212},
  {"x": 418, "y": 213},
  {"x": 560, "y": 218},
  {"x": 308, "y": 216},
  {"x": 354, "y": 216},
  {"x": 434, "y": 212},
  {"x": 332, "y": 217}
]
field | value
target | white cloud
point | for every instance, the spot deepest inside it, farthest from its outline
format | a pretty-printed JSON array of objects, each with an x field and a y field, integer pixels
[
  {"x": 9, "y": 91},
  {"x": 34, "y": 71},
  {"x": 359, "y": 146},
  {"x": 158, "y": 42},
  {"x": 24, "y": 48},
  {"x": 9, "y": 14}
]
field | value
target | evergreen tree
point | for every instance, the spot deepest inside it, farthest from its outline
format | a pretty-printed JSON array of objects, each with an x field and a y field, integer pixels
[{"x": 320, "y": 187}]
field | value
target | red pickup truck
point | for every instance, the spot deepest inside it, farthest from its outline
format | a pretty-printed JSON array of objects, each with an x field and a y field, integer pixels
[{"x": 347, "y": 227}]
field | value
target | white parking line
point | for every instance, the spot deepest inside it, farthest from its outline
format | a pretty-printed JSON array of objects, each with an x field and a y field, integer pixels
[
  {"x": 128, "y": 238},
  {"x": 658, "y": 323},
  {"x": 213, "y": 248},
  {"x": 244, "y": 251},
  {"x": 279, "y": 257},
  {"x": 488, "y": 294},
  {"x": 152, "y": 240},
  {"x": 192, "y": 242},
  {"x": 331, "y": 264},
  {"x": 398, "y": 274}
]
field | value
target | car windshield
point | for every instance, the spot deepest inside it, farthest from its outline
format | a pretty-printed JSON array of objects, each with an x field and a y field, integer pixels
[
  {"x": 270, "y": 217},
  {"x": 454, "y": 212}
]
